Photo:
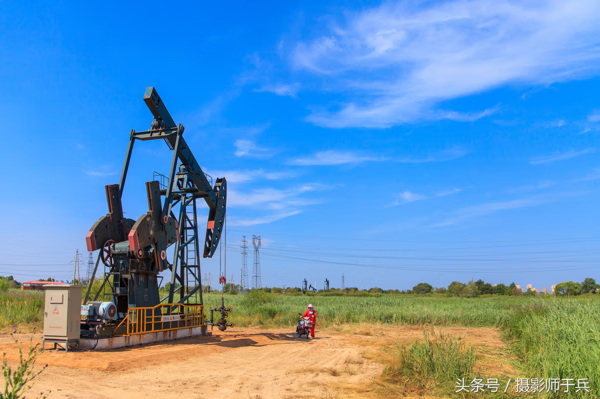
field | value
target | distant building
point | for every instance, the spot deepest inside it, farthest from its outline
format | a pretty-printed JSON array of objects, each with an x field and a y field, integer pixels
[
  {"x": 544, "y": 290},
  {"x": 39, "y": 285},
  {"x": 518, "y": 287},
  {"x": 529, "y": 286},
  {"x": 537, "y": 290},
  {"x": 554, "y": 288}
]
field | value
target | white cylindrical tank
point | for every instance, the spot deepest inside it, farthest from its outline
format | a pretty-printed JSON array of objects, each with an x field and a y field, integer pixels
[{"x": 107, "y": 311}]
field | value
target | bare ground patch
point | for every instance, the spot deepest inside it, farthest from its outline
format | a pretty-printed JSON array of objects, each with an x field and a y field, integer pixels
[{"x": 343, "y": 362}]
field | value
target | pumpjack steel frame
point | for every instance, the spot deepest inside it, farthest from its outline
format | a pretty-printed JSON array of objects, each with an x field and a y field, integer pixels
[{"x": 135, "y": 252}]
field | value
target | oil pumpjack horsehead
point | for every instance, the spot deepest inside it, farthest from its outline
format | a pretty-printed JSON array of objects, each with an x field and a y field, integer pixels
[{"x": 135, "y": 252}]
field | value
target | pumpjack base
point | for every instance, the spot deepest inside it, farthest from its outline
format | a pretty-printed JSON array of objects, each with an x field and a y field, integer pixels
[{"x": 141, "y": 339}]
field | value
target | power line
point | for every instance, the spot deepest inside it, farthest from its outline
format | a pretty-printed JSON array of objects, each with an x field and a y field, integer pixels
[
  {"x": 313, "y": 247},
  {"x": 320, "y": 238},
  {"x": 35, "y": 264},
  {"x": 419, "y": 268},
  {"x": 446, "y": 259},
  {"x": 556, "y": 259}
]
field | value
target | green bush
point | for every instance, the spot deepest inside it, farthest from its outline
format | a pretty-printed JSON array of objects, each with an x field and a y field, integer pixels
[{"x": 4, "y": 285}]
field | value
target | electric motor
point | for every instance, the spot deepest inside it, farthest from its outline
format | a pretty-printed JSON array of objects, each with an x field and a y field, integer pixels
[{"x": 107, "y": 311}]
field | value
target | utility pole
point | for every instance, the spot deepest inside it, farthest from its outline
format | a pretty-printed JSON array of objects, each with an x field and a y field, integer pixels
[
  {"x": 244, "y": 281},
  {"x": 256, "y": 269},
  {"x": 343, "y": 282}
]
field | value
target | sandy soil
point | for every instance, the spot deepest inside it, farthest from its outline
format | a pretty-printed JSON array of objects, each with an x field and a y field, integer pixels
[{"x": 241, "y": 363}]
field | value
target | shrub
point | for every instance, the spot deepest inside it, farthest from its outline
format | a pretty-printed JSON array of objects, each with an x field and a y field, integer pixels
[{"x": 16, "y": 380}]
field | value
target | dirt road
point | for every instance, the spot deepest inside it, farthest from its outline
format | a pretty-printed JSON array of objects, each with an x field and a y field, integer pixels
[{"x": 244, "y": 363}]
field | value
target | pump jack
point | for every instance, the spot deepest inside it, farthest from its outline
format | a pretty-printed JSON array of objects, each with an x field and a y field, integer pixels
[{"x": 134, "y": 252}]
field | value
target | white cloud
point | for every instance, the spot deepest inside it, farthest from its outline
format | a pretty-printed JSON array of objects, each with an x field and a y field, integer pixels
[
  {"x": 334, "y": 157},
  {"x": 552, "y": 124},
  {"x": 246, "y": 131},
  {"x": 441, "y": 156},
  {"x": 244, "y": 176},
  {"x": 408, "y": 196},
  {"x": 101, "y": 171},
  {"x": 448, "y": 192},
  {"x": 489, "y": 208},
  {"x": 594, "y": 116},
  {"x": 534, "y": 187},
  {"x": 286, "y": 202},
  {"x": 561, "y": 156},
  {"x": 595, "y": 175},
  {"x": 248, "y": 148},
  {"x": 212, "y": 110},
  {"x": 261, "y": 219},
  {"x": 271, "y": 197},
  {"x": 401, "y": 60},
  {"x": 282, "y": 89}
]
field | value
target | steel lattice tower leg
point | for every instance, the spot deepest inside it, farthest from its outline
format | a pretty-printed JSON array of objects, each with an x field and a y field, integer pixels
[
  {"x": 76, "y": 275},
  {"x": 244, "y": 280},
  {"x": 90, "y": 268},
  {"x": 256, "y": 270}
]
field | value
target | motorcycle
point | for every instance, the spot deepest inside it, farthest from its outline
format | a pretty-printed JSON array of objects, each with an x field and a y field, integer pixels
[{"x": 303, "y": 327}]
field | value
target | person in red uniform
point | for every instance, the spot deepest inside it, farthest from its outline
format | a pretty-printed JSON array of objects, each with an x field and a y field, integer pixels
[{"x": 312, "y": 316}]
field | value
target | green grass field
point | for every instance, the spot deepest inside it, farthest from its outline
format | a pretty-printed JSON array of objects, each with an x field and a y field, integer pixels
[
  {"x": 21, "y": 309},
  {"x": 273, "y": 310},
  {"x": 553, "y": 337}
]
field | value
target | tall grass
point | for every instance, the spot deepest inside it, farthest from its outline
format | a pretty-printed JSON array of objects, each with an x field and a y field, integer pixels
[
  {"x": 273, "y": 310},
  {"x": 21, "y": 309},
  {"x": 430, "y": 364},
  {"x": 559, "y": 339},
  {"x": 554, "y": 337}
]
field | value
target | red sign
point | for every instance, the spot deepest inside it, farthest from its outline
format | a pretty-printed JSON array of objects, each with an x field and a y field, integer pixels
[{"x": 55, "y": 311}]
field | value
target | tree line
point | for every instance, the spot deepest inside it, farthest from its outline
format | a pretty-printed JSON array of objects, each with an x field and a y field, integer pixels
[{"x": 456, "y": 288}]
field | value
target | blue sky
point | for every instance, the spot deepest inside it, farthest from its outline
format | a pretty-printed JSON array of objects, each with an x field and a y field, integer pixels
[{"x": 394, "y": 142}]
